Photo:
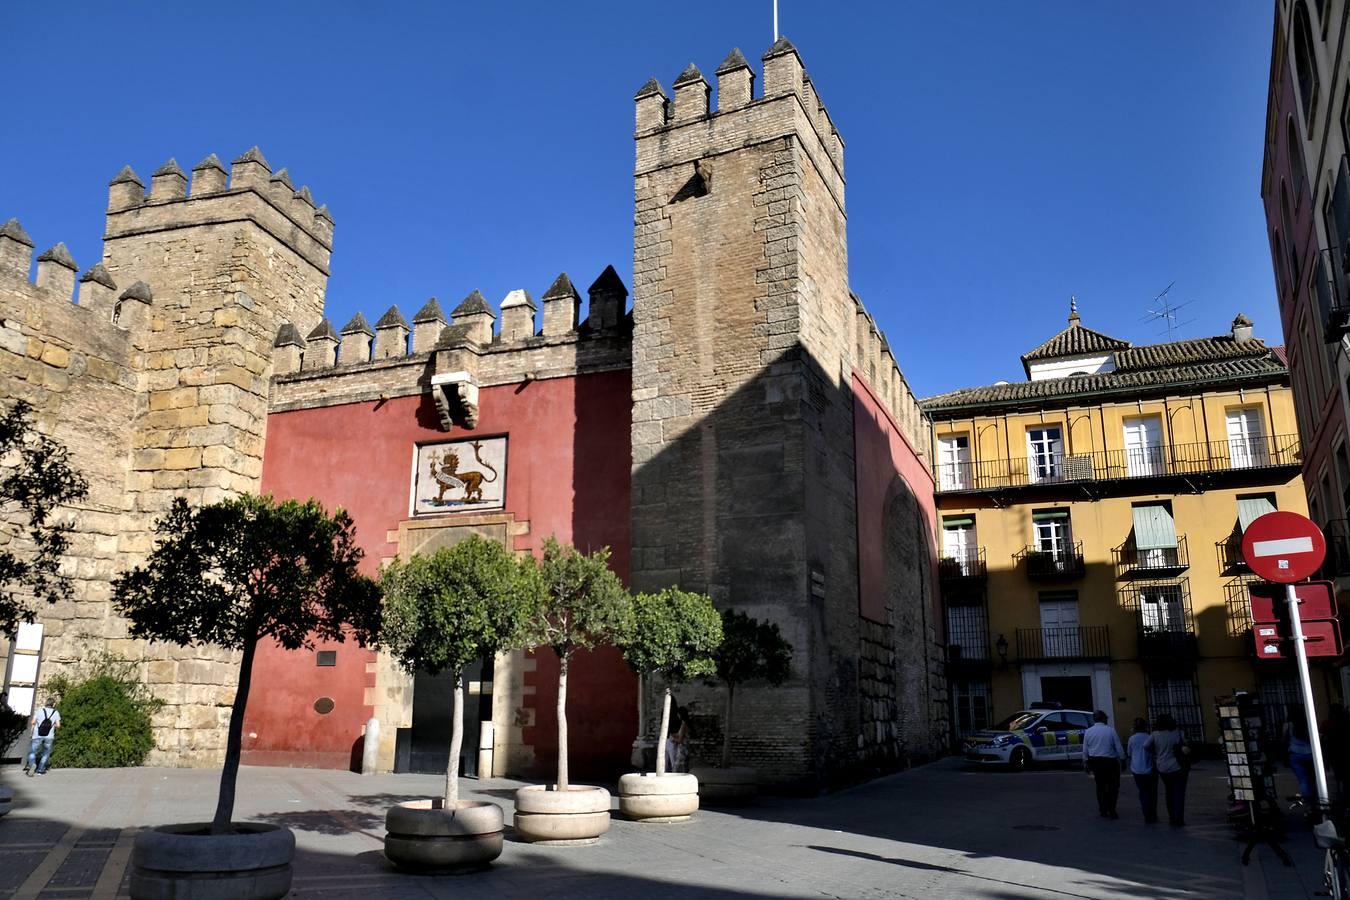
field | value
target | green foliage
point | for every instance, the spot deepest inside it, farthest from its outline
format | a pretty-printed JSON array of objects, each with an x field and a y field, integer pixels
[
  {"x": 581, "y": 603},
  {"x": 442, "y": 612},
  {"x": 235, "y": 571},
  {"x": 674, "y": 633},
  {"x": 105, "y": 715},
  {"x": 12, "y": 725},
  {"x": 35, "y": 478},
  {"x": 751, "y": 649}
]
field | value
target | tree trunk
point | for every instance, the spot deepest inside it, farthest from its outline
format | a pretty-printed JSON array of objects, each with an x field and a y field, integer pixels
[
  {"x": 726, "y": 728},
  {"x": 229, "y": 774},
  {"x": 661, "y": 735},
  {"x": 456, "y": 742},
  {"x": 562, "y": 721}
]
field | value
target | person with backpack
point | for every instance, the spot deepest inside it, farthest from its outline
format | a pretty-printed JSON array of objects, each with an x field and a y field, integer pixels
[{"x": 45, "y": 723}]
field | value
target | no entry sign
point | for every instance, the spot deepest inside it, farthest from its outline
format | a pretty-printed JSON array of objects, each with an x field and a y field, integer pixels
[{"x": 1284, "y": 547}]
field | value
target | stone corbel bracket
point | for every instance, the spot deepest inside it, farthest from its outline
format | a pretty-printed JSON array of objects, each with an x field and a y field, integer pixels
[{"x": 456, "y": 395}]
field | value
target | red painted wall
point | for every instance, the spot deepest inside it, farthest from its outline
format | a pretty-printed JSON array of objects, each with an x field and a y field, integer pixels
[
  {"x": 567, "y": 474},
  {"x": 881, "y": 454}
]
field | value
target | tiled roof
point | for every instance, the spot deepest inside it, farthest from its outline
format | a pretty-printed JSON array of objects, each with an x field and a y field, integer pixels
[
  {"x": 1075, "y": 341},
  {"x": 1138, "y": 380},
  {"x": 1208, "y": 349}
]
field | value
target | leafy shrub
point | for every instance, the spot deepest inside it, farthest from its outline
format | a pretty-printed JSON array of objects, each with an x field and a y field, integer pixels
[
  {"x": 12, "y": 725},
  {"x": 105, "y": 716}
]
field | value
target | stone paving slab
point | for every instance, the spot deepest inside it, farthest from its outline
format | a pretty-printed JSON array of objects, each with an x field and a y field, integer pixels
[{"x": 940, "y": 831}]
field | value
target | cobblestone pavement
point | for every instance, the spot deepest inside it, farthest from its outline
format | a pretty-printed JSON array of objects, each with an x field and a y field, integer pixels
[{"x": 938, "y": 831}]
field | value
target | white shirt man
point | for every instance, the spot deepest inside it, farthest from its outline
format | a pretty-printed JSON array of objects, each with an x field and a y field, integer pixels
[{"x": 45, "y": 723}]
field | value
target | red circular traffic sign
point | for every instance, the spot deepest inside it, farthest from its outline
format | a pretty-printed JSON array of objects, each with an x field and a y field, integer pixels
[{"x": 1284, "y": 547}]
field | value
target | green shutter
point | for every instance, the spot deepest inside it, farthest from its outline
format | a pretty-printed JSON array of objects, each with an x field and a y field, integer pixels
[
  {"x": 1047, "y": 515},
  {"x": 958, "y": 521},
  {"x": 1252, "y": 508},
  {"x": 1154, "y": 528}
]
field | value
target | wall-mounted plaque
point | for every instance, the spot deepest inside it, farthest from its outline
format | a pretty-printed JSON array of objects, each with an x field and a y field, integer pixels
[{"x": 460, "y": 476}]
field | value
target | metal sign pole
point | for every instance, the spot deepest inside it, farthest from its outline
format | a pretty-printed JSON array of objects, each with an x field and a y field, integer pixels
[{"x": 1305, "y": 682}]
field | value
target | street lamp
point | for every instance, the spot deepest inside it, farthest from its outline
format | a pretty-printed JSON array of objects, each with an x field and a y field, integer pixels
[{"x": 1001, "y": 645}]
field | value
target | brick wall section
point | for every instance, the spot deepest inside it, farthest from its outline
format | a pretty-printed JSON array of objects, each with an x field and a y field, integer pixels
[
  {"x": 73, "y": 365},
  {"x": 745, "y": 338}
]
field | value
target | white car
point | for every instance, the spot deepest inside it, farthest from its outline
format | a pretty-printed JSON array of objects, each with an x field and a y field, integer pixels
[{"x": 1030, "y": 736}]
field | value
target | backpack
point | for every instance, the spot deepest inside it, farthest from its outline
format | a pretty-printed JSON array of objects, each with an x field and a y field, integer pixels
[{"x": 45, "y": 726}]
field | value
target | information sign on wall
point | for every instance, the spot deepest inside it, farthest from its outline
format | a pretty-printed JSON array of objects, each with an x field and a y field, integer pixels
[{"x": 459, "y": 476}]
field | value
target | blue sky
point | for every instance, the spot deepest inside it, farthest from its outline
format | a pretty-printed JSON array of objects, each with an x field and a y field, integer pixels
[{"x": 1000, "y": 157}]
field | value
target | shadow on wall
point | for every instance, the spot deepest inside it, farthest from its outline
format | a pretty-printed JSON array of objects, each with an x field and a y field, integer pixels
[{"x": 752, "y": 498}]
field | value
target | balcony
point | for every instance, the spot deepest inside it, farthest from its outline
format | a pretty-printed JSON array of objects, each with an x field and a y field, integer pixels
[
  {"x": 1229, "y": 553},
  {"x": 967, "y": 638},
  {"x": 1166, "y": 623},
  {"x": 1333, "y": 289},
  {"x": 969, "y": 565},
  {"x": 1054, "y": 565},
  {"x": 1169, "y": 461},
  {"x": 1063, "y": 642},
  {"x": 1162, "y": 562}
]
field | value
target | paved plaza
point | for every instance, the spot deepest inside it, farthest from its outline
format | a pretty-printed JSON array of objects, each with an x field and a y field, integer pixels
[{"x": 933, "y": 832}]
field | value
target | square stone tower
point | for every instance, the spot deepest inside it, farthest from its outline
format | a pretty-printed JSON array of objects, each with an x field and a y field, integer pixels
[
  {"x": 745, "y": 345},
  {"x": 213, "y": 274}
]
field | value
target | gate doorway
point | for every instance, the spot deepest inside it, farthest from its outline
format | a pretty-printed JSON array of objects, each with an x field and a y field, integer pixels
[
  {"x": 423, "y": 748},
  {"x": 1071, "y": 692}
]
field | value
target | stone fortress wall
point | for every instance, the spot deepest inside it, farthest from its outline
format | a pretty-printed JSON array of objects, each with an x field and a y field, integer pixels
[{"x": 206, "y": 313}]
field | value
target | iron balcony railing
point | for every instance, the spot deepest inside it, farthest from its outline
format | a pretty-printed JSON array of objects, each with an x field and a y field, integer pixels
[
  {"x": 967, "y": 564},
  {"x": 1063, "y": 642},
  {"x": 1235, "y": 455},
  {"x": 1229, "y": 553},
  {"x": 1160, "y": 562},
  {"x": 1333, "y": 287},
  {"x": 1054, "y": 565}
]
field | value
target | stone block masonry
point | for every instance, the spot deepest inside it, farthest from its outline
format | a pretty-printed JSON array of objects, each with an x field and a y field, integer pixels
[{"x": 746, "y": 342}]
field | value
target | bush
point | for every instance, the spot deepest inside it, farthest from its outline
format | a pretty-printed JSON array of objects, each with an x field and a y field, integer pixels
[
  {"x": 12, "y": 725},
  {"x": 105, "y": 717}
]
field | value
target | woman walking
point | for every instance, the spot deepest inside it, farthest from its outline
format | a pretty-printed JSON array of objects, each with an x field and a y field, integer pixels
[
  {"x": 1144, "y": 769},
  {"x": 1172, "y": 758},
  {"x": 1298, "y": 747}
]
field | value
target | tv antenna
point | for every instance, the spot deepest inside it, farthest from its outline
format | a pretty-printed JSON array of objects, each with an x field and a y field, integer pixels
[{"x": 1166, "y": 311}]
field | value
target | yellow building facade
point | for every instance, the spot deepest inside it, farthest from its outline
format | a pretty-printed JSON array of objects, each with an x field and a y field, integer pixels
[{"x": 1090, "y": 520}]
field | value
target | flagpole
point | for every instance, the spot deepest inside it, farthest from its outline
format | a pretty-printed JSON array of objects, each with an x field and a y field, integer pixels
[{"x": 775, "y": 20}]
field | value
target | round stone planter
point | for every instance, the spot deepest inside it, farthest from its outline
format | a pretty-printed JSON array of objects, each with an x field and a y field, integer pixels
[
  {"x": 6, "y": 799},
  {"x": 187, "y": 862},
  {"x": 672, "y": 797},
  {"x": 727, "y": 787},
  {"x": 578, "y": 815},
  {"x": 425, "y": 836}
]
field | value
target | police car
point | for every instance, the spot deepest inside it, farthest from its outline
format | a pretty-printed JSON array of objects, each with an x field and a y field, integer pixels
[{"x": 1031, "y": 736}]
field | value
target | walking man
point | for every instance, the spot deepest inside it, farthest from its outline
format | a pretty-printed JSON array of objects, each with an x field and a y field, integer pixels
[
  {"x": 45, "y": 723},
  {"x": 1104, "y": 753}
]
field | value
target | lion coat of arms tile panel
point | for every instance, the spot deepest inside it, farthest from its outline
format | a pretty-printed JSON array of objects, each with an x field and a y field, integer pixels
[{"x": 460, "y": 476}]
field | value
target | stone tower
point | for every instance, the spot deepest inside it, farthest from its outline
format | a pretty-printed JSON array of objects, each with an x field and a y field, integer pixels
[
  {"x": 746, "y": 341},
  {"x": 215, "y": 272}
]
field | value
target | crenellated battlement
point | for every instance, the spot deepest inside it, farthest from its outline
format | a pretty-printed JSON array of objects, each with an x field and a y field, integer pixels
[
  {"x": 55, "y": 282},
  {"x": 248, "y": 190},
  {"x": 481, "y": 346},
  {"x": 790, "y": 103}
]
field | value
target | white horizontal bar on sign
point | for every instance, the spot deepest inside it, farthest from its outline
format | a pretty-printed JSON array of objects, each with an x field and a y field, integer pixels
[{"x": 1282, "y": 547}]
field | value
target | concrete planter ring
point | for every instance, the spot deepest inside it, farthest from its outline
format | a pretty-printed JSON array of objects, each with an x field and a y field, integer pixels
[
  {"x": 727, "y": 787},
  {"x": 425, "y": 836},
  {"x": 672, "y": 797},
  {"x": 187, "y": 862},
  {"x": 578, "y": 815},
  {"x": 6, "y": 799}
]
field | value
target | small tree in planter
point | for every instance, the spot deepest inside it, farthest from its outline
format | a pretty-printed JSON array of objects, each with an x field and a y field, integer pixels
[
  {"x": 581, "y": 604},
  {"x": 228, "y": 575},
  {"x": 441, "y": 613},
  {"x": 750, "y": 650},
  {"x": 674, "y": 634}
]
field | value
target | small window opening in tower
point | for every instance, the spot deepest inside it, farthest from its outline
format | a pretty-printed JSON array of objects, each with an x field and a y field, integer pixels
[{"x": 699, "y": 185}]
